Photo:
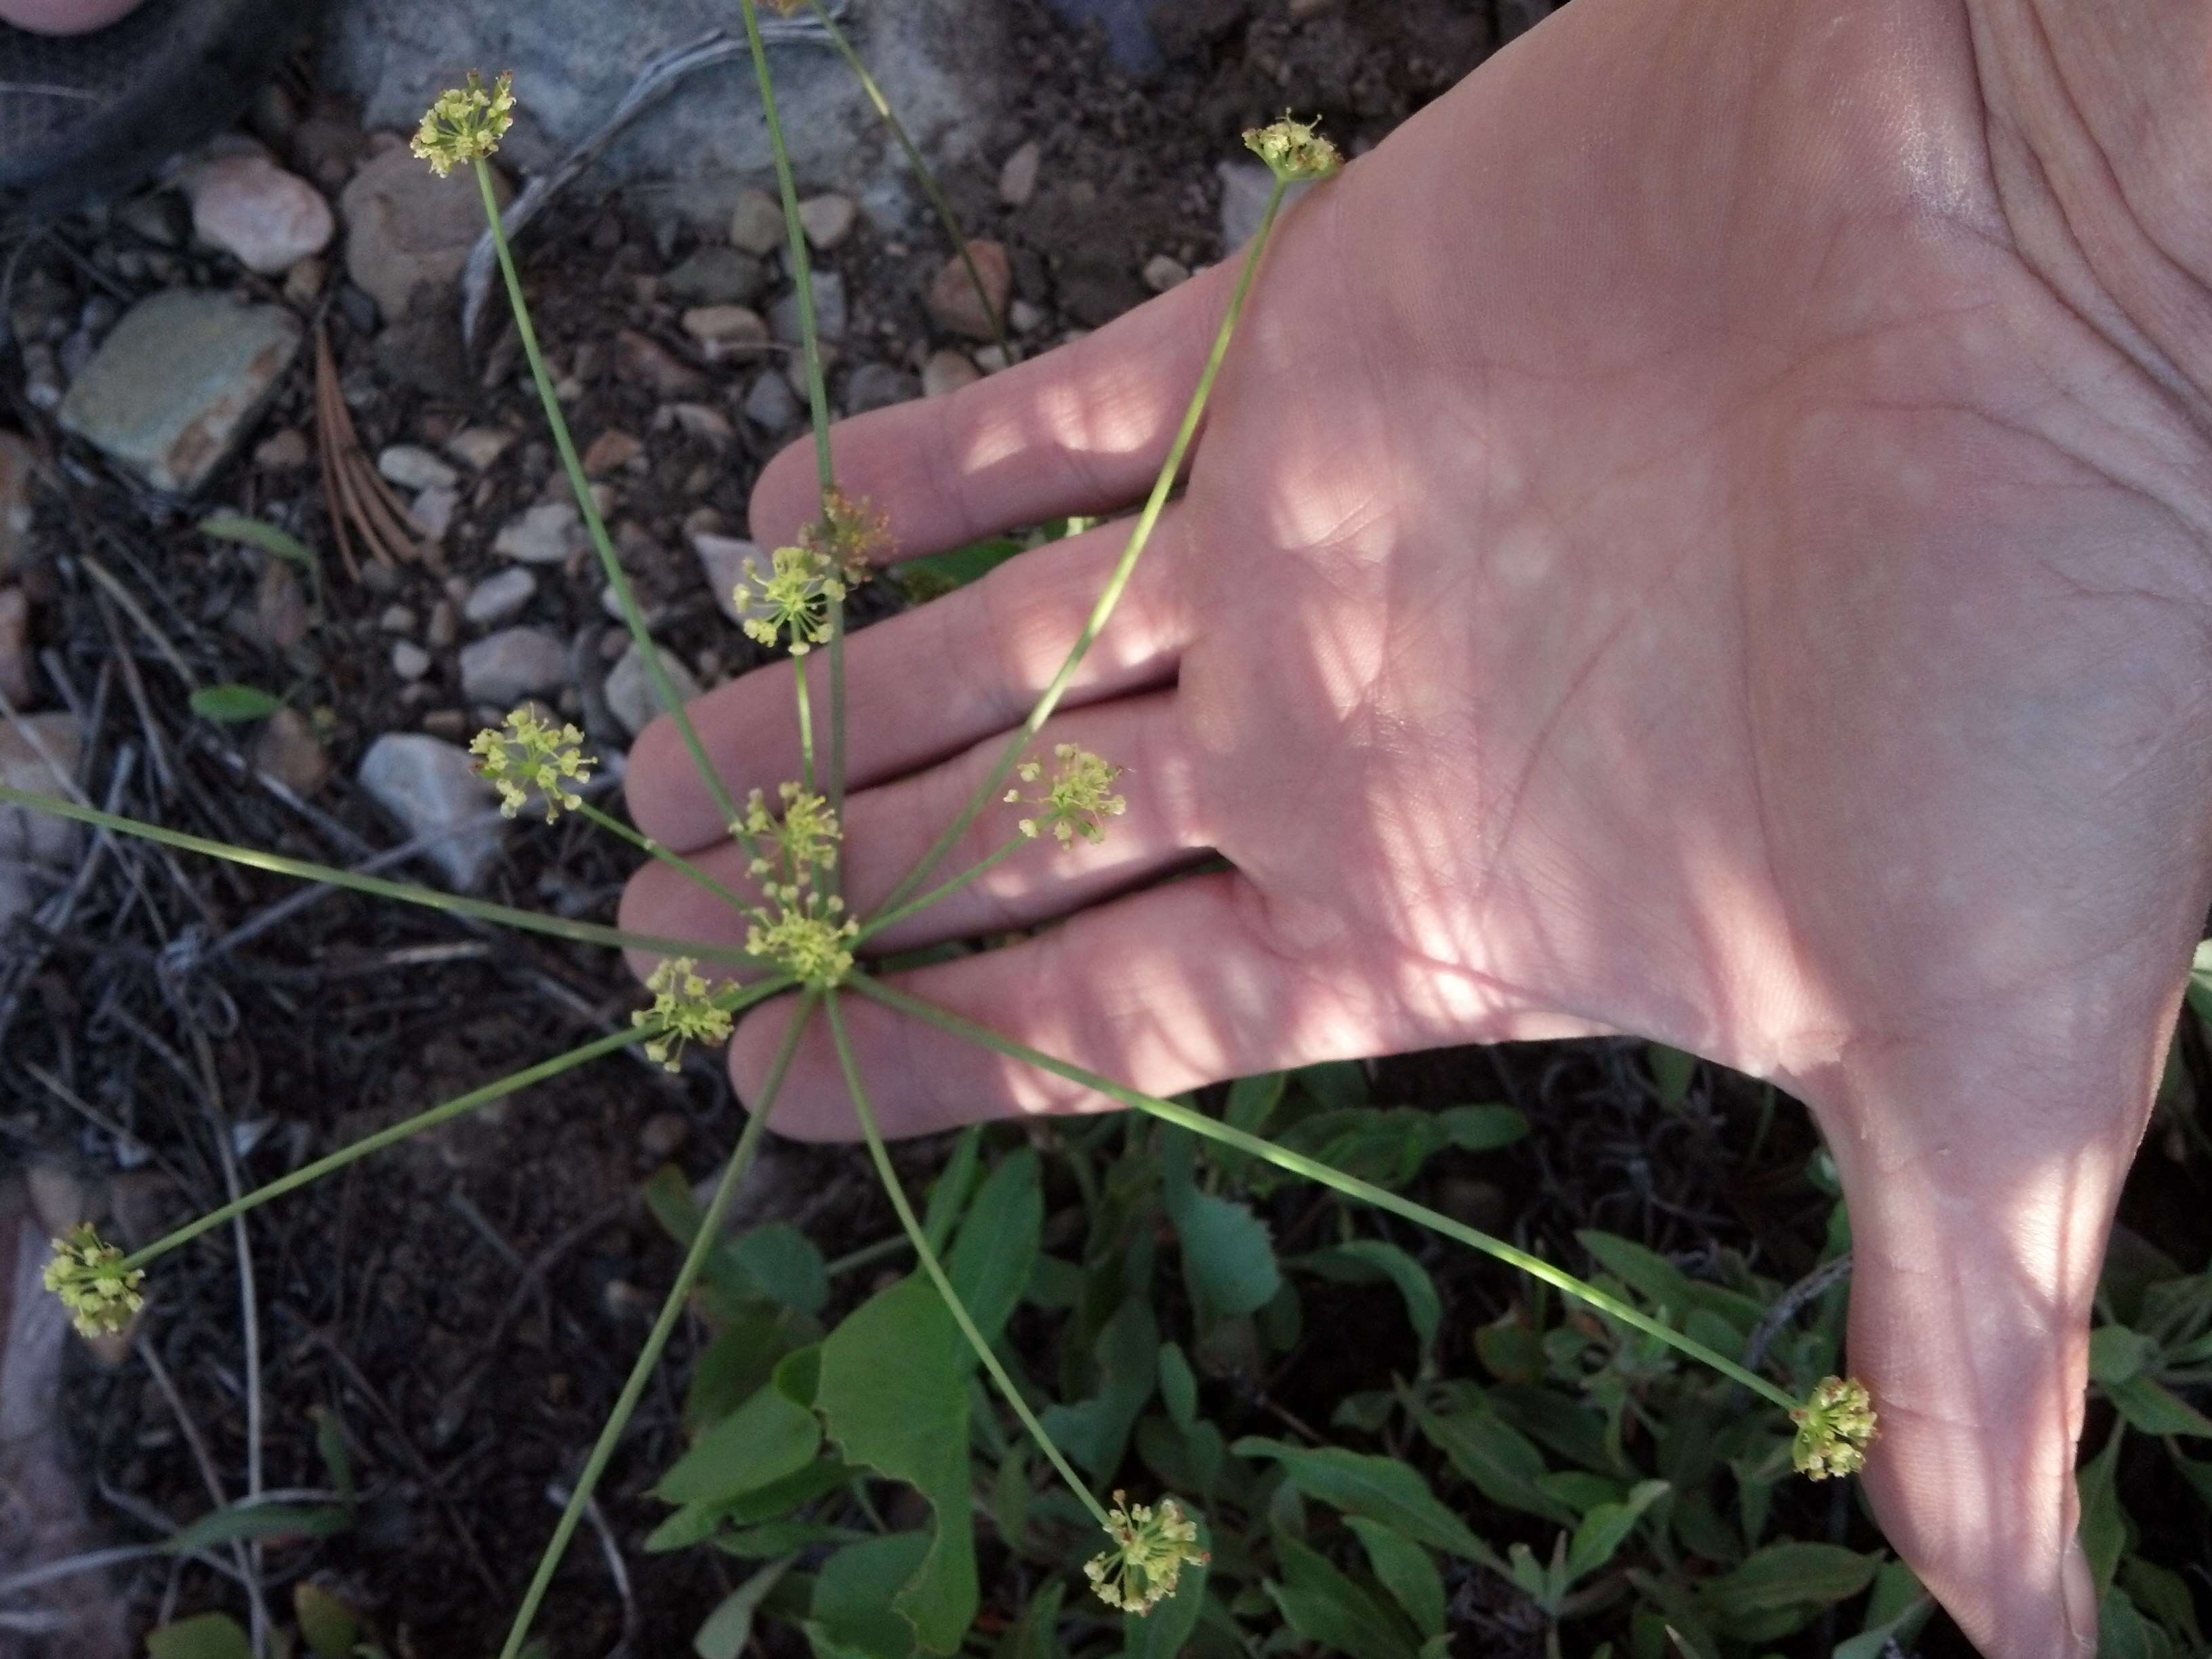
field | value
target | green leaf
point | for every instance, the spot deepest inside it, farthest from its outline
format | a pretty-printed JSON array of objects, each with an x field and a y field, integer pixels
[
  {"x": 2121, "y": 1633},
  {"x": 1178, "y": 1386},
  {"x": 738, "y": 1364},
  {"x": 228, "y": 705},
  {"x": 1482, "y": 1128},
  {"x": 207, "y": 1636},
  {"x": 949, "y": 1192},
  {"x": 2151, "y": 1407},
  {"x": 940, "y": 573},
  {"x": 1404, "y": 1569},
  {"x": 1787, "y": 1578},
  {"x": 254, "y": 533},
  {"x": 849, "y": 1606},
  {"x": 2165, "y": 1596},
  {"x": 1380, "y": 1488},
  {"x": 1511, "y": 1351},
  {"x": 1607, "y": 1526},
  {"x": 1253, "y": 1100},
  {"x": 1323, "y": 1605},
  {"x": 1873, "y": 1641},
  {"x": 1228, "y": 1259},
  {"x": 2117, "y": 1354},
  {"x": 1663, "y": 1285},
  {"x": 775, "y": 1538},
  {"x": 784, "y": 1263},
  {"x": 1035, "y": 1635},
  {"x": 1503, "y": 1465},
  {"x": 2103, "y": 1529},
  {"x": 991, "y": 1261},
  {"x": 893, "y": 1389},
  {"x": 1364, "y": 1260},
  {"x": 1672, "y": 1070},
  {"x": 327, "y": 1625},
  {"x": 730, "y": 1627},
  {"x": 1095, "y": 1433},
  {"x": 258, "y": 1521},
  {"x": 763, "y": 1441},
  {"x": 331, "y": 1448}
]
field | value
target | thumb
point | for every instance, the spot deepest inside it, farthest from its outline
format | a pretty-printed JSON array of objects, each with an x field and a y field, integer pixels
[{"x": 1978, "y": 1228}]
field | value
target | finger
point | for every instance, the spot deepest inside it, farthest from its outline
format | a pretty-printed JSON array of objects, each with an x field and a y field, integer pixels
[
  {"x": 1975, "y": 1262},
  {"x": 1172, "y": 988},
  {"x": 1081, "y": 429},
  {"x": 888, "y": 829},
  {"x": 927, "y": 682}
]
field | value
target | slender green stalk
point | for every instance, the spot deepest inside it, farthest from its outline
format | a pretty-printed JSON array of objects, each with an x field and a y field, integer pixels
[
  {"x": 695, "y": 1259},
  {"x": 528, "y": 921},
  {"x": 594, "y": 524},
  {"x": 677, "y": 862},
  {"x": 1313, "y": 1169},
  {"x": 868, "y": 1253},
  {"x": 987, "y": 790},
  {"x": 943, "y": 890},
  {"x": 927, "y": 180},
  {"x": 935, "y": 1269},
  {"x": 806, "y": 724}
]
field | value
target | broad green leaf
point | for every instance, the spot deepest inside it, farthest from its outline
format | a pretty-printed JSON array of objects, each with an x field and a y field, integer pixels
[
  {"x": 2121, "y": 1633},
  {"x": 1178, "y": 1386},
  {"x": 331, "y": 1448},
  {"x": 997, "y": 1249},
  {"x": 206, "y": 1636},
  {"x": 1606, "y": 1527},
  {"x": 1501, "y": 1462},
  {"x": 2117, "y": 1354},
  {"x": 1873, "y": 1641},
  {"x": 761, "y": 1441},
  {"x": 1661, "y": 1283},
  {"x": 730, "y": 1627},
  {"x": 2165, "y": 1596},
  {"x": 2154, "y": 1408},
  {"x": 2103, "y": 1529},
  {"x": 1672, "y": 1070},
  {"x": 1366, "y": 1260},
  {"x": 1380, "y": 1488},
  {"x": 849, "y": 1603},
  {"x": 327, "y": 1625},
  {"x": 948, "y": 1193},
  {"x": 1035, "y": 1634},
  {"x": 1334, "y": 1084},
  {"x": 1253, "y": 1100},
  {"x": 1228, "y": 1259},
  {"x": 738, "y": 1364},
  {"x": 258, "y": 1521},
  {"x": 228, "y": 705},
  {"x": 1323, "y": 1605},
  {"x": 1482, "y": 1128},
  {"x": 255, "y": 532},
  {"x": 938, "y": 573},
  {"x": 1511, "y": 1351},
  {"x": 774, "y": 1538},
  {"x": 695, "y": 1523},
  {"x": 1403, "y": 1568},
  {"x": 894, "y": 1389},
  {"x": 786, "y": 1263},
  {"x": 1094, "y": 1432},
  {"x": 1788, "y": 1578}
]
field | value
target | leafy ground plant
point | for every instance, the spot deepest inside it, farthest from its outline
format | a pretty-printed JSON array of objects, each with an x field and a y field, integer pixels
[{"x": 892, "y": 1383}]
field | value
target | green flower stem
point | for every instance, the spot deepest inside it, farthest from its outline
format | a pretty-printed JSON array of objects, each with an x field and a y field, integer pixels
[
  {"x": 944, "y": 889},
  {"x": 676, "y": 862},
  {"x": 594, "y": 524},
  {"x": 1298, "y": 1163},
  {"x": 528, "y": 921},
  {"x": 806, "y": 724},
  {"x": 881, "y": 1154},
  {"x": 923, "y": 176},
  {"x": 514, "y": 1083},
  {"x": 695, "y": 1259},
  {"x": 987, "y": 790}
]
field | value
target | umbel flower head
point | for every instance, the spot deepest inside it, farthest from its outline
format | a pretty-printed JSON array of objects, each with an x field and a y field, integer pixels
[
  {"x": 684, "y": 1005},
  {"x": 853, "y": 536},
  {"x": 1835, "y": 1426},
  {"x": 804, "y": 838},
  {"x": 1077, "y": 795},
  {"x": 1293, "y": 150},
  {"x": 1150, "y": 1547},
  {"x": 792, "y": 597},
  {"x": 807, "y": 934},
  {"x": 526, "y": 754},
  {"x": 89, "y": 1278},
  {"x": 465, "y": 123}
]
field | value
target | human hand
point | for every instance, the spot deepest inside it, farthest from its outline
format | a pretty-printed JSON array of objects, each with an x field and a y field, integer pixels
[{"x": 1697, "y": 538}]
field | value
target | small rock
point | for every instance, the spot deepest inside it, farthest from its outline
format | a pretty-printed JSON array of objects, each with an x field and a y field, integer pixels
[
  {"x": 281, "y": 452},
  {"x": 611, "y": 451},
  {"x": 397, "y": 619},
  {"x": 409, "y": 660},
  {"x": 180, "y": 382},
  {"x": 662, "y": 1135},
  {"x": 42, "y": 386},
  {"x": 1163, "y": 273},
  {"x": 771, "y": 405},
  {"x": 705, "y": 423},
  {"x": 478, "y": 446},
  {"x": 1024, "y": 317},
  {"x": 429, "y": 787},
  {"x": 14, "y": 646},
  {"x": 265, "y": 218},
  {"x": 548, "y": 533},
  {"x": 508, "y": 665},
  {"x": 827, "y": 220},
  {"x": 409, "y": 230},
  {"x": 1245, "y": 188},
  {"x": 954, "y": 304},
  {"x": 877, "y": 385},
  {"x": 717, "y": 276},
  {"x": 31, "y": 839},
  {"x": 18, "y": 467},
  {"x": 757, "y": 223},
  {"x": 727, "y": 328},
  {"x": 990, "y": 359},
  {"x": 303, "y": 284},
  {"x": 630, "y": 694},
  {"x": 444, "y": 625},
  {"x": 496, "y": 598},
  {"x": 829, "y": 317},
  {"x": 288, "y": 749},
  {"x": 434, "y": 511},
  {"x": 946, "y": 372},
  {"x": 723, "y": 559},
  {"x": 451, "y": 723},
  {"x": 412, "y": 467},
  {"x": 280, "y": 617},
  {"x": 640, "y": 358},
  {"x": 1018, "y": 179}
]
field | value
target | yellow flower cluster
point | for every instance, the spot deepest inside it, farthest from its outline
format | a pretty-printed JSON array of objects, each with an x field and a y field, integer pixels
[
  {"x": 1293, "y": 150},
  {"x": 1834, "y": 1428},
  {"x": 1077, "y": 795},
  {"x": 685, "y": 1008},
  {"x": 465, "y": 123},
  {"x": 791, "y": 598},
  {"x": 527, "y": 755},
  {"x": 89, "y": 1278},
  {"x": 1150, "y": 1550},
  {"x": 804, "y": 837},
  {"x": 801, "y": 929}
]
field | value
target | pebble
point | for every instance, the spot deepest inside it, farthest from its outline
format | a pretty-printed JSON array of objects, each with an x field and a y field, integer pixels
[
  {"x": 548, "y": 533},
  {"x": 288, "y": 749},
  {"x": 1163, "y": 273},
  {"x": 303, "y": 284},
  {"x": 639, "y": 357},
  {"x": 1245, "y": 188},
  {"x": 611, "y": 451},
  {"x": 14, "y": 646},
  {"x": 727, "y": 327},
  {"x": 1024, "y": 318},
  {"x": 1018, "y": 179},
  {"x": 281, "y": 452},
  {"x": 29, "y": 838},
  {"x": 946, "y": 372},
  {"x": 630, "y": 696},
  {"x": 409, "y": 660},
  {"x": 757, "y": 223},
  {"x": 496, "y": 598},
  {"x": 478, "y": 446},
  {"x": 717, "y": 276},
  {"x": 434, "y": 511},
  {"x": 180, "y": 382},
  {"x": 430, "y": 785},
  {"x": 663, "y": 1134},
  {"x": 281, "y": 616},
  {"x": 412, "y": 467},
  {"x": 954, "y": 304},
  {"x": 771, "y": 405},
  {"x": 827, "y": 220},
  {"x": 18, "y": 467},
  {"x": 878, "y": 385},
  {"x": 42, "y": 386},
  {"x": 265, "y": 218},
  {"x": 990, "y": 359},
  {"x": 444, "y": 625},
  {"x": 829, "y": 317},
  {"x": 397, "y": 619},
  {"x": 408, "y": 230},
  {"x": 723, "y": 560},
  {"x": 508, "y": 665},
  {"x": 703, "y": 421}
]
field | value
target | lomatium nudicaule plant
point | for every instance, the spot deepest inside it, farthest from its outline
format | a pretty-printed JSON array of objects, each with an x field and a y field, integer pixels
[{"x": 800, "y": 937}]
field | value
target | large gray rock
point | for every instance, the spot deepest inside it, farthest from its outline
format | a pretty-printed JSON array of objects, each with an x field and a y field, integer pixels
[
  {"x": 408, "y": 231},
  {"x": 432, "y": 787},
  {"x": 180, "y": 382},
  {"x": 504, "y": 667}
]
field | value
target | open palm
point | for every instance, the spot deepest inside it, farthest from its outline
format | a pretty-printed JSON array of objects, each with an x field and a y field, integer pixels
[{"x": 1661, "y": 559}]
